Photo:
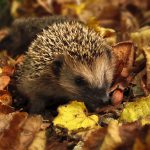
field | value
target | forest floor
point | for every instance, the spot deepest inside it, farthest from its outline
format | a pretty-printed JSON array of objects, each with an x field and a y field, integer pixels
[{"x": 124, "y": 125}]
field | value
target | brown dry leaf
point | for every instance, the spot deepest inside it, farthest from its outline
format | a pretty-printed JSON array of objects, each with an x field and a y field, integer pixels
[
  {"x": 54, "y": 145},
  {"x": 6, "y": 60},
  {"x": 30, "y": 128},
  {"x": 104, "y": 138},
  {"x": 134, "y": 136},
  {"x": 144, "y": 85},
  {"x": 147, "y": 54},
  {"x": 117, "y": 97},
  {"x": 138, "y": 145},
  {"x": 28, "y": 8},
  {"x": 39, "y": 142},
  {"x": 10, "y": 137},
  {"x": 109, "y": 141},
  {"x": 129, "y": 23},
  {"x": 5, "y": 98},
  {"x": 5, "y": 120},
  {"x": 125, "y": 58},
  {"x": 46, "y": 5},
  {"x": 20, "y": 59},
  {"x": 5, "y": 109},
  {"x": 124, "y": 53},
  {"x": 33, "y": 123},
  {"x": 4, "y": 81},
  {"x": 83, "y": 10},
  {"x": 18, "y": 130},
  {"x": 141, "y": 40},
  {"x": 109, "y": 109},
  {"x": 8, "y": 70},
  {"x": 148, "y": 139},
  {"x": 94, "y": 139},
  {"x": 139, "y": 88},
  {"x": 3, "y": 33},
  {"x": 118, "y": 137}
]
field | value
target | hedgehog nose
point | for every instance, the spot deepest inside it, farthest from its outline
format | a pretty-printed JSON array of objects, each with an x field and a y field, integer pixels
[{"x": 106, "y": 99}]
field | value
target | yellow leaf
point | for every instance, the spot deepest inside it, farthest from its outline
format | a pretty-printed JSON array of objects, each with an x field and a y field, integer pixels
[
  {"x": 73, "y": 117},
  {"x": 15, "y": 5},
  {"x": 76, "y": 8},
  {"x": 136, "y": 110},
  {"x": 107, "y": 33},
  {"x": 79, "y": 7},
  {"x": 145, "y": 121},
  {"x": 141, "y": 38}
]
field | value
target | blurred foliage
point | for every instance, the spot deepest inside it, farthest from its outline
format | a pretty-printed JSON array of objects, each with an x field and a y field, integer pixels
[{"x": 5, "y": 17}]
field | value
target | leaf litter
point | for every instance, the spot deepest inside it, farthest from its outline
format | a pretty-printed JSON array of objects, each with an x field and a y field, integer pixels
[{"x": 123, "y": 125}]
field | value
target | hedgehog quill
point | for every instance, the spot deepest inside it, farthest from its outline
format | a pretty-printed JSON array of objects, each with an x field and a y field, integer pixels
[{"x": 67, "y": 60}]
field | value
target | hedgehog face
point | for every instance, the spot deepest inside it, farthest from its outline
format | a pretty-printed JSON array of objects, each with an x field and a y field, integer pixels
[{"x": 88, "y": 83}]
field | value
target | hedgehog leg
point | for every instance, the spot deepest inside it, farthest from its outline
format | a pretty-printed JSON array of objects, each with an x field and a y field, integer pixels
[{"x": 36, "y": 105}]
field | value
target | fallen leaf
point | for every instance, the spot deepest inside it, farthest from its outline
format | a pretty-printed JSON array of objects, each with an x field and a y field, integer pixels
[
  {"x": 5, "y": 98},
  {"x": 136, "y": 110},
  {"x": 31, "y": 127},
  {"x": 138, "y": 145},
  {"x": 141, "y": 37},
  {"x": 93, "y": 139},
  {"x": 104, "y": 139},
  {"x": 5, "y": 109},
  {"x": 73, "y": 117},
  {"x": 107, "y": 33},
  {"x": 10, "y": 137},
  {"x": 8, "y": 70},
  {"x": 109, "y": 141},
  {"x": 14, "y": 8},
  {"x": 124, "y": 53},
  {"x": 4, "y": 81},
  {"x": 117, "y": 136},
  {"x": 145, "y": 120},
  {"x": 5, "y": 121},
  {"x": 39, "y": 141},
  {"x": 117, "y": 97},
  {"x": 147, "y": 55}
]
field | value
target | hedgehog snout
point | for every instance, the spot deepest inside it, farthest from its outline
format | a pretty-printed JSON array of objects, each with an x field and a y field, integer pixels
[{"x": 95, "y": 98}]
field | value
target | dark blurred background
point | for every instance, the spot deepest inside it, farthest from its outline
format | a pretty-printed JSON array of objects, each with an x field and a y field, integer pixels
[{"x": 122, "y": 15}]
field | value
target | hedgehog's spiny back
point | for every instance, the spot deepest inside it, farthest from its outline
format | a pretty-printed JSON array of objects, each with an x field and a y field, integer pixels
[{"x": 73, "y": 38}]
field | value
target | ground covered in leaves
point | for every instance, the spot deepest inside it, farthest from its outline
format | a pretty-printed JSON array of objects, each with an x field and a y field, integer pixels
[{"x": 124, "y": 125}]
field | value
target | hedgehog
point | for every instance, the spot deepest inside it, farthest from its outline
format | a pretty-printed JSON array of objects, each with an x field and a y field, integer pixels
[{"x": 66, "y": 61}]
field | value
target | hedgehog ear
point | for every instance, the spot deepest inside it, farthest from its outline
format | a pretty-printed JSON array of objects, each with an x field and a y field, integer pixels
[{"x": 57, "y": 65}]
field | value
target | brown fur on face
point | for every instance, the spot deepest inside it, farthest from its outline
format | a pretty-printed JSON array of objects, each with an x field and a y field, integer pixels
[{"x": 98, "y": 76}]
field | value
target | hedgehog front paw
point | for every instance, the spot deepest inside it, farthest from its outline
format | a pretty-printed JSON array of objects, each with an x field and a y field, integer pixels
[{"x": 36, "y": 107}]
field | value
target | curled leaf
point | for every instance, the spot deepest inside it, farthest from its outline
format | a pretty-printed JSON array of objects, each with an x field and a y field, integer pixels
[{"x": 124, "y": 53}]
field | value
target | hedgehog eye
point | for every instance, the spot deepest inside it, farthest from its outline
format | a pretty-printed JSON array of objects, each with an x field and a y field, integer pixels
[
  {"x": 80, "y": 81},
  {"x": 56, "y": 67}
]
